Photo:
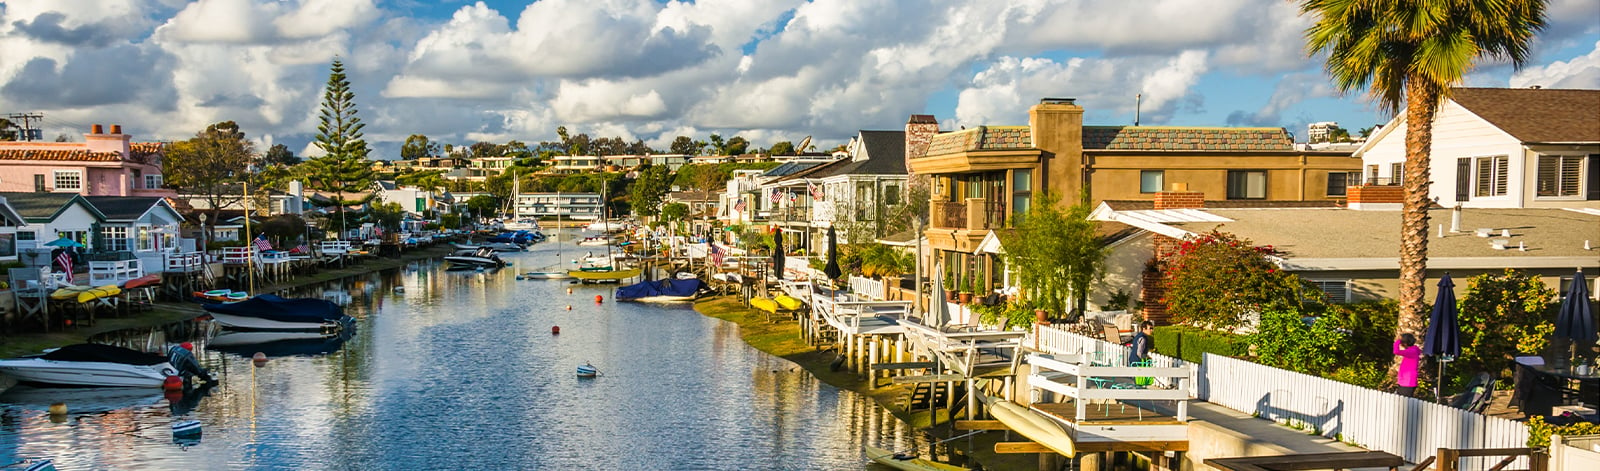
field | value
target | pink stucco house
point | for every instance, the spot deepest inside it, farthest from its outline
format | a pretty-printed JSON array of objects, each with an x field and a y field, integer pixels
[{"x": 105, "y": 164}]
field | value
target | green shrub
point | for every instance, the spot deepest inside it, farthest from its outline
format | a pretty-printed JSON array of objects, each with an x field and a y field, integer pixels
[
  {"x": 1539, "y": 431},
  {"x": 1191, "y": 343},
  {"x": 1372, "y": 375},
  {"x": 1284, "y": 339},
  {"x": 1370, "y": 325}
]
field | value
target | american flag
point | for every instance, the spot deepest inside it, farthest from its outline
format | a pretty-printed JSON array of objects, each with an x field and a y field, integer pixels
[
  {"x": 716, "y": 255},
  {"x": 816, "y": 191},
  {"x": 302, "y": 248},
  {"x": 64, "y": 260},
  {"x": 776, "y": 196},
  {"x": 262, "y": 243},
  {"x": 739, "y": 206}
]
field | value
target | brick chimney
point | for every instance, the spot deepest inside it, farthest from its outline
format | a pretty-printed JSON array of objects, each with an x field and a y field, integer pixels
[
  {"x": 1179, "y": 197},
  {"x": 1376, "y": 197},
  {"x": 99, "y": 141},
  {"x": 920, "y": 130}
]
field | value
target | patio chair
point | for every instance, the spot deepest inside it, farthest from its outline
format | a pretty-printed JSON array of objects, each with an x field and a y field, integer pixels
[{"x": 1112, "y": 334}]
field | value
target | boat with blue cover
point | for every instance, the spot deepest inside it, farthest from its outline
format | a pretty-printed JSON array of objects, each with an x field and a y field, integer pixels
[
  {"x": 273, "y": 313},
  {"x": 659, "y": 291},
  {"x": 588, "y": 371}
]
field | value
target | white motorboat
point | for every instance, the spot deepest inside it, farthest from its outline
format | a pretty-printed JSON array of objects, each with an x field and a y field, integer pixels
[
  {"x": 91, "y": 365},
  {"x": 482, "y": 257},
  {"x": 599, "y": 241},
  {"x": 503, "y": 246},
  {"x": 524, "y": 224},
  {"x": 603, "y": 226}
]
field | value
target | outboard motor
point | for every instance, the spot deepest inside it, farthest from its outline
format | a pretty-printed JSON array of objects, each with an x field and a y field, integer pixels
[{"x": 186, "y": 364}]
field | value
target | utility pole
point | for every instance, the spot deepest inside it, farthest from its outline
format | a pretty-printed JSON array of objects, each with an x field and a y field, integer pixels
[{"x": 27, "y": 124}]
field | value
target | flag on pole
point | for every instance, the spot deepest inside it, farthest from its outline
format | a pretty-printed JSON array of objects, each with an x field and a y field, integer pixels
[
  {"x": 776, "y": 196},
  {"x": 262, "y": 243},
  {"x": 716, "y": 255},
  {"x": 739, "y": 206},
  {"x": 816, "y": 190},
  {"x": 64, "y": 260}
]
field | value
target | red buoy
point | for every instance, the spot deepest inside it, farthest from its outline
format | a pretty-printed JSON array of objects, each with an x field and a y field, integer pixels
[
  {"x": 555, "y": 330},
  {"x": 569, "y": 307},
  {"x": 172, "y": 383},
  {"x": 259, "y": 359},
  {"x": 598, "y": 299}
]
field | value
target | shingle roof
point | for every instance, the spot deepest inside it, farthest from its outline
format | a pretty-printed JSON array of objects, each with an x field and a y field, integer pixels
[
  {"x": 1186, "y": 138},
  {"x": 1536, "y": 115},
  {"x": 120, "y": 208},
  {"x": 38, "y": 206},
  {"x": 75, "y": 155},
  {"x": 981, "y": 138},
  {"x": 1134, "y": 205},
  {"x": 886, "y": 152},
  {"x": 1344, "y": 233},
  {"x": 789, "y": 168}
]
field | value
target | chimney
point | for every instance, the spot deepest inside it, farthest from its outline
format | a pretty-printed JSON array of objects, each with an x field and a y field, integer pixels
[
  {"x": 1375, "y": 197},
  {"x": 920, "y": 130},
  {"x": 1055, "y": 126},
  {"x": 116, "y": 129},
  {"x": 1179, "y": 197},
  {"x": 99, "y": 141},
  {"x": 1455, "y": 218},
  {"x": 97, "y": 129}
]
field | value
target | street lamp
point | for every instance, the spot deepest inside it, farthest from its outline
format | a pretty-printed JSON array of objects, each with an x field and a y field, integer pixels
[{"x": 203, "y": 233}]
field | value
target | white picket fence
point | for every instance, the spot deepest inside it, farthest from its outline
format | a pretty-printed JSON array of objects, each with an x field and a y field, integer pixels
[
  {"x": 1376, "y": 420},
  {"x": 867, "y": 287}
]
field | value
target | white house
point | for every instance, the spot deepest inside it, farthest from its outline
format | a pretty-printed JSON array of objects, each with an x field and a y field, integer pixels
[
  {"x": 580, "y": 206},
  {"x": 145, "y": 225},
  {"x": 1503, "y": 148},
  {"x": 855, "y": 193},
  {"x": 411, "y": 199},
  {"x": 48, "y": 216}
]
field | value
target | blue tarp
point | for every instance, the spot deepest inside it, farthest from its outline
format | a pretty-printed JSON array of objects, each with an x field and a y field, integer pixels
[
  {"x": 660, "y": 288},
  {"x": 279, "y": 309},
  {"x": 518, "y": 237}
]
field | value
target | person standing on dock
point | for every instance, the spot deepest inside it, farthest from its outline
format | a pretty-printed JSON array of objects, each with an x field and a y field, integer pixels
[
  {"x": 1410, "y": 357},
  {"x": 1142, "y": 343}
]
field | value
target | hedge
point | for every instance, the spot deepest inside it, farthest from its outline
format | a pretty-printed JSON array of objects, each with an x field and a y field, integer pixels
[{"x": 1191, "y": 343}]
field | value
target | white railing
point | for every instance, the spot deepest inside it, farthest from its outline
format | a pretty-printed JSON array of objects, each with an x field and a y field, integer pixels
[
  {"x": 1409, "y": 427},
  {"x": 114, "y": 272},
  {"x": 184, "y": 262},
  {"x": 1053, "y": 339},
  {"x": 867, "y": 287}
]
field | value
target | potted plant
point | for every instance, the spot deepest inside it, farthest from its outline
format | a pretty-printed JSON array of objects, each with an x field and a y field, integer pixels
[
  {"x": 949, "y": 285},
  {"x": 965, "y": 296}
]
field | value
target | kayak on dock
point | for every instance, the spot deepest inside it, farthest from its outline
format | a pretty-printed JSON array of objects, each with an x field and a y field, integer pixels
[{"x": 906, "y": 462}]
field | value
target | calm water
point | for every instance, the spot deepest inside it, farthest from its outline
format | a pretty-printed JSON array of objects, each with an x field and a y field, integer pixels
[{"x": 461, "y": 372}]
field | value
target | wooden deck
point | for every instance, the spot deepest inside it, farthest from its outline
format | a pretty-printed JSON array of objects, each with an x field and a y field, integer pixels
[{"x": 1115, "y": 413}]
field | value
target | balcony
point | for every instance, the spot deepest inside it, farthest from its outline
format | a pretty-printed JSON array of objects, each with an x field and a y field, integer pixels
[{"x": 973, "y": 214}]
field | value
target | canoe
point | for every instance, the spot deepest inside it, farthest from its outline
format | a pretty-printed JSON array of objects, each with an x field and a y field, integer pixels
[
  {"x": 1031, "y": 424},
  {"x": 907, "y": 463},
  {"x": 788, "y": 303},
  {"x": 143, "y": 281},
  {"x": 764, "y": 304}
]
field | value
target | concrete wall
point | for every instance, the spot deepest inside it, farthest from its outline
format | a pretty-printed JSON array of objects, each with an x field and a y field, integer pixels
[{"x": 1207, "y": 440}]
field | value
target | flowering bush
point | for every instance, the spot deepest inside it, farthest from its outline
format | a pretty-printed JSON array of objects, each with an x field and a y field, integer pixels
[
  {"x": 1217, "y": 280},
  {"x": 1503, "y": 315}
]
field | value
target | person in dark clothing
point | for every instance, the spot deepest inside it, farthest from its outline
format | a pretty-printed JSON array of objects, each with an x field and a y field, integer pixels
[{"x": 1142, "y": 342}]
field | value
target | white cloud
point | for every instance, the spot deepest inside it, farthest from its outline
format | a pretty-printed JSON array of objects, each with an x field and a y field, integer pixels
[
  {"x": 1579, "y": 72},
  {"x": 1001, "y": 94}
]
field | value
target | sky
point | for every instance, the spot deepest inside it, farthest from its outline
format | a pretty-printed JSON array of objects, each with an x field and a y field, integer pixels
[{"x": 463, "y": 71}]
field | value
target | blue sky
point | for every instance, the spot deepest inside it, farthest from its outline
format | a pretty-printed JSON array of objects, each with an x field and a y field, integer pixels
[{"x": 462, "y": 71}]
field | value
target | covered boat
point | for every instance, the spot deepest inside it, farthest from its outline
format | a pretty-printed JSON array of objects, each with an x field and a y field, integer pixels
[
  {"x": 483, "y": 257},
  {"x": 273, "y": 313},
  {"x": 661, "y": 291},
  {"x": 90, "y": 364}
]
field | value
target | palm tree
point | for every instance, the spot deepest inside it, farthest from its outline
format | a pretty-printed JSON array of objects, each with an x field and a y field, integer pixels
[{"x": 1411, "y": 52}]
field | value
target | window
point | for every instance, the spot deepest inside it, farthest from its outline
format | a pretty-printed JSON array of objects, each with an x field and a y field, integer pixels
[
  {"x": 1338, "y": 181},
  {"x": 891, "y": 194},
  {"x": 145, "y": 241},
  {"x": 69, "y": 180},
  {"x": 1397, "y": 173},
  {"x": 1247, "y": 184},
  {"x": 1152, "y": 181},
  {"x": 116, "y": 237},
  {"x": 1021, "y": 192},
  {"x": 153, "y": 181},
  {"x": 1372, "y": 174},
  {"x": 8, "y": 245},
  {"x": 1492, "y": 175},
  {"x": 1334, "y": 291},
  {"x": 1559, "y": 175},
  {"x": 38, "y": 183}
]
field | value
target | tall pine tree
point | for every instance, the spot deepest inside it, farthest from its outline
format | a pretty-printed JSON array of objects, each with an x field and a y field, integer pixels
[{"x": 344, "y": 167}]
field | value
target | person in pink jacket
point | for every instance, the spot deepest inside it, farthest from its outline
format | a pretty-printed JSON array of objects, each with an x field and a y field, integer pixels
[{"x": 1410, "y": 357}]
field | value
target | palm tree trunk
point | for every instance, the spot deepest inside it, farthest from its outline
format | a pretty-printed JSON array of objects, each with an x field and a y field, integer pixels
[{"x": 1422, "y": 101}]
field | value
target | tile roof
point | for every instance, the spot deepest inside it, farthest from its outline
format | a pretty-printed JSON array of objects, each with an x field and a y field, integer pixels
[
  {"x": 1536, "y": 115},
  {"x": 981, "y": 138},
  {"x": 74, "y": 155},
  {"x": 1166, "y": 138}
]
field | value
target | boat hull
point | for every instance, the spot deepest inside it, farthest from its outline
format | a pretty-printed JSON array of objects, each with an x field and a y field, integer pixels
[
  {"x": 474, "y": 261},
  {"x": 235, "y": 322},
  {"x": 660, "y": 299},
  {"x": 86, "y": 373},
  {"x": 546, "y": 276},
  {"x": 887, "y": 458},
  {"x": 1030, "y": 424}
]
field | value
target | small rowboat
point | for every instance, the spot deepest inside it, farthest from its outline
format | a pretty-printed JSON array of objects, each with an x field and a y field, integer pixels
[
  {"x": 588, "y": 371},
  {"x": 907, "y": 463},
  {"x": 186, "y": 428},
  {"x": 788, "y": 303}
]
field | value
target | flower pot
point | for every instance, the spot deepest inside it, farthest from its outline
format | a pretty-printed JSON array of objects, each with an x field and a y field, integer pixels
[
  {"x": 950, "y": 296},
  {"x": 965, "y": 297},
  {"x": 1039, "y": 316}
]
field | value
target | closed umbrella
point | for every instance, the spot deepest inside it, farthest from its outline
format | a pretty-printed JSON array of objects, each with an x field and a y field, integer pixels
[
  {"x": 832, "y": 270},
  {"x": 1576, "y": 320},
  {"x": 777, "y": 254},
  {"x": 1443, "y": 340},
  {"x": 938, "y": 309}
]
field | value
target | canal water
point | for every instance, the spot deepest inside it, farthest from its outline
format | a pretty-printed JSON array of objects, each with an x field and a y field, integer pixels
[{"x": 461, "y": 371}]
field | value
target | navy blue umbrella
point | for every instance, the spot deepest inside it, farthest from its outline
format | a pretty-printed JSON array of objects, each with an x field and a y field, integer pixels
[
  {"x": 1443, "y": 340},
  {"x": 1576, "y": 320},
  {"x": 832, "y": 269}
]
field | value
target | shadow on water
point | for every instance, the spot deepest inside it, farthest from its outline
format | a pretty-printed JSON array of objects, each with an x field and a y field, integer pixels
[{"x": 459, "y": 369}]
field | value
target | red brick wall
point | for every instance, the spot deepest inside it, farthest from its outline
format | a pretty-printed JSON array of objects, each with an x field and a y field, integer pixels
[
  {"x": 1180, "y": 200},
  {"x": 1152, "y": 292},
  {"x": 920, "y": 130},
  {"x": 1376, "y": 194}
]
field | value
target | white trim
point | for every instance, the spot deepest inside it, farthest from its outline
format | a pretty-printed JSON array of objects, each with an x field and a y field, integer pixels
[{"x": 55, "y": 180}]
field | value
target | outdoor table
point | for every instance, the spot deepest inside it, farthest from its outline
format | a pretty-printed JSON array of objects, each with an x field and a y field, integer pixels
[{"x": 1588, "y": 385}]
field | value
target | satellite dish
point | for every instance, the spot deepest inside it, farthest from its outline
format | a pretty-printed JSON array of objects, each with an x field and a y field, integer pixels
[{"x": 804, "y": 143}]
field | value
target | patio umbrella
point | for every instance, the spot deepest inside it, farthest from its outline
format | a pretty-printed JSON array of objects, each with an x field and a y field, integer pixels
[
  {"x": 1576, "y": 320},
  {"x": 938, "y": 309},
  {"x": 777, "y": 254},
  {"x": 832, "y": 270},
  {"x": 1443, "y": 340},
  {"x": 63, "y": 242}
]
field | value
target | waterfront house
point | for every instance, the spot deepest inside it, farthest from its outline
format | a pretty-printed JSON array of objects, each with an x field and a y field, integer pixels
[
  {"x": 981, "y": 177},
  {"x": 1502, "y": 148},
  {"x": 48, "y": 216},
  {"x": 10, "y": 222},
  {"x": 105, "y": 164},
  {"x": 569, "y": 164},
  {"x": 1351, "y": 254},
  {"x": 569, "y": 206},
  {"x": 146, "y": 226},
  {"x": 702, "y": 208},
  {"x": 411, "y": 199},
  {"x": 855, "y": 193}
]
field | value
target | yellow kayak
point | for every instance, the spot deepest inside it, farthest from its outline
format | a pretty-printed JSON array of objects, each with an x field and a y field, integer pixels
[
  {"x": 888, "y": 458},
  {"x": 789, "y": 303},
  {"x": 764, "y": 304},
  {"x": 1030, "y": 424},
  {"x": 85, "y": 294},
  {"x": 67, "y": 292}
]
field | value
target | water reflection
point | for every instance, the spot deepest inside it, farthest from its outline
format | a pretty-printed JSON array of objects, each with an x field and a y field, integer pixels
[{"x": 460, "y": 370}]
